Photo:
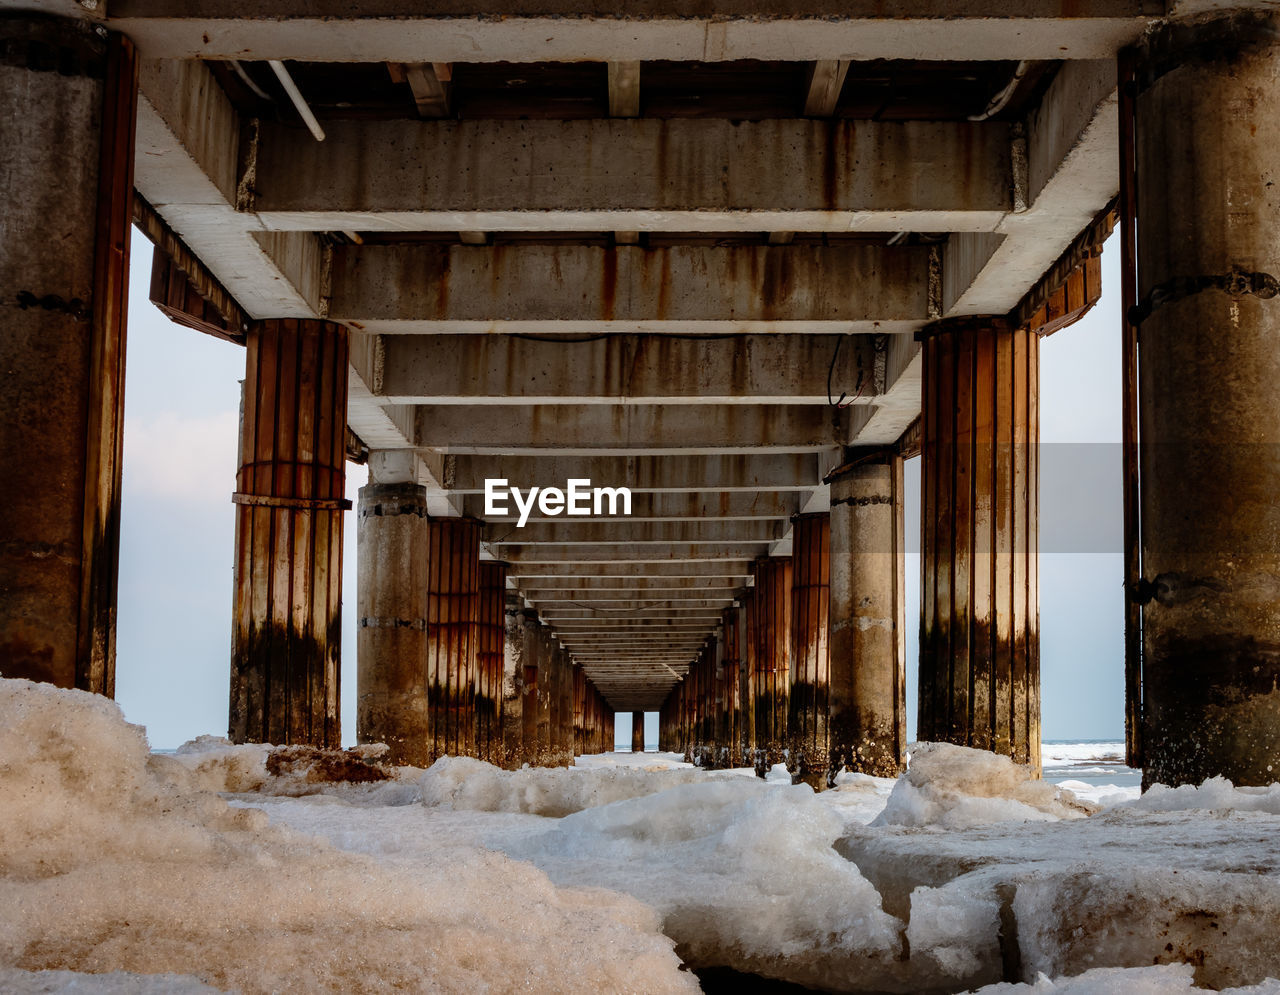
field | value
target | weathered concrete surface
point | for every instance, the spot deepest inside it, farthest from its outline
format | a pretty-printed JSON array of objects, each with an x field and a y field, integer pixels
[
  {"x": 809, "y": 696},
  {"x": 659, "y": 507},
  {"x": 635, "y": 369},
  {"x": 980, "y": 603},
  {"x": 514, "y": 746},
  {"x": 638, "y": 174},
  {"x": 868, "y": 619},
  {"x": 378, "y": 30},
  {"x": 656, "y": 553},
  {"x": 287, "y": 607},
  {"x": 490, "y": 653},
  {"x": 623, "y": 531},
  {"x": 62, "y": 352},
  {"x": 637, "y": 732},
  {"x": 1208, "y": 114},
  {"x": 770, "y": 623},
  {"x": 391, "y": 608},
  {"x": 453, "y": 593},
  {"x": 582, "y": 288}
]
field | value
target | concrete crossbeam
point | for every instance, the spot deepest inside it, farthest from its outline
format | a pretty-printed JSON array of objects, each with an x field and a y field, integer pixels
[
  {"x": 719, "y": 569},
  {"x": 615, "y": 531},
  {"x": 574, "y": 30},
  {"x": 567, "y": 289},
  {"x": 690, "y": 473},
  {"x": 650, "y": 507},
  {"x": 641, "y": 174},
  {"x": 615, "y": 587},
  {"x": 590, "y": 429},
  {"x": 619, "y": 555},
  {"x": 622, "y": 368},
  {"x": 621, "y": 610},
  {"x": 545, "y": 595}
]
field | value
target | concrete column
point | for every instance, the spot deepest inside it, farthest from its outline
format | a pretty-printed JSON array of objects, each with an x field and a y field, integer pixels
[
  {"x": 731, "y": 733},
  {"x": 808, "y": 758},
  {"x": 564, "y": 691},
  {"x": 531, "y": 654},
  {"x": 453, "y": 594},
  {"x": 67, "y": 107},
  {"x": 1208, "y": 149},
  {"x": 868, "y": 720},
  {"x": 609, "y": 731},
  {"x": 579, "y": 710},
  {"x": 545, "y": 753},
  {"x": 637, "y": 732},
  {"x": 980, "y": 632},
  {"x": 391, "y": 604},
  {"x": 772, "y": 638},
  {"x": 512, "y": 752},
  {"x": 747, "y": 677},
  {"x": 287, "y": 632},
  {"x": 491, "y": 630}
]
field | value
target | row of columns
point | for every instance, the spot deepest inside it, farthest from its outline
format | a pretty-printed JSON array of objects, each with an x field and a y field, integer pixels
[
  {"x": 1205, "y": 107},
  {"x": 815, "y": 677}
]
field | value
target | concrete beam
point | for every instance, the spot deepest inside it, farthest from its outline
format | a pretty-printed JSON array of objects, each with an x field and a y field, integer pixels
[
  {"x": 623, "y": 531},
  {"x": 574, "y": 30},
  {"x": 694, "y": 474},
  {"x": 650, "y": 507},
  {"x": 415, "y": 288},
  {"x": 717, "y": 569},
  {"x": 641, "y": 174},
  {"x": 692, "y": 588},
  {"x": 622, "y": 368},
  {"x": 592, "y": 429},
  {"x": 611, "y": 611},
  {"x": 535, "y": 553}
]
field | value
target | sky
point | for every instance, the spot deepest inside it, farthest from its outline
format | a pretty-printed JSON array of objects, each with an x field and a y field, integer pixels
[{"x": 182, "y": 395}]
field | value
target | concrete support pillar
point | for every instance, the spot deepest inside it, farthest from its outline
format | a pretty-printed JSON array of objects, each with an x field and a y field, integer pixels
[
  {"x": 391, "y": 605},
  {"x": 609, "y": 731},
  {"x": 287, "y": 631},
  {"x": 512, "y": 750},
  {"x": 771, "y": 618},
  {"x": 491, "y": 628},
  {"x": 531, "y": 654},
  {"x": 637, "y": 732},
  {"x": 579, "y": 709},
  {"x": 67, "y": 107},
  {"x": 544, "y": 755},
  {"x": 731, "y": 733},
  {"x": 808, "y": 758},
  {"x": 564, "y": 691},
  {"x": 1207, "y": 148},
  {"x": 868, "y": 622},
  {"x": 979, "y": 633},
  {"x": 453, "y": 595}
]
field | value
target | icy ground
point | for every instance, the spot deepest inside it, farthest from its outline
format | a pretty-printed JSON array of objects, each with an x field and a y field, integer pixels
[{"x": 333, "y": 873}]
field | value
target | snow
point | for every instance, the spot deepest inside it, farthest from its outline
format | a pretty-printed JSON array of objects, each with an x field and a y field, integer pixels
[{"x": 118, "y": 868}]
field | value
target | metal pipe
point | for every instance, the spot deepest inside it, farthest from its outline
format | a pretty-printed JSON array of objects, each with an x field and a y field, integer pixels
[
  {"x": 1001, "y": 99},
  {"x": 291, "y": 88}
]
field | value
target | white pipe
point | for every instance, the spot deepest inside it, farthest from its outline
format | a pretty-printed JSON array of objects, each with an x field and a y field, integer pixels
[
  {"x": 291, "y": 88},
  {"x": 1002, "y": 98}
]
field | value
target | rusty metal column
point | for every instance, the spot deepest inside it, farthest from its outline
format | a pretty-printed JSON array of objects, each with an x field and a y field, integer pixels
[
  {"x": 287, "y": 632},
  {"x": 1208, "y": 317},
  {"x": 579, "y": 708},
  {"x": 868, "y": 713},
  {"x": 808, "y": 758},
  {"x": 731, "y": 736},
  {"x": 980, "y": 626},
  {"x": 67, "y": 102},
  {"x": 747, "y": 678},
  {"x": 530, "y": 657},
  {"x": 772, "y": 637},
  {"x": 564, "y": 690},
  {"x": 391, "y": 605},
  {"x": 545, "y": 753},
  {"x": 512, "y": 752},
  {"x": 453, "y": 591},
  {"x": 491, "y": 629}
]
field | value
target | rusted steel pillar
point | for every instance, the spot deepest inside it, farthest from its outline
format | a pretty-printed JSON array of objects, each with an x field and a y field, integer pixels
[
  {"x": 68, "y": 99},
  {"x": 453, "y": 593},
  {"x": 808, "y": 757},
  {"x": 868, "y": 720},
  {"x": 512, "y": 751},
  {"x": 730, "y": 733},
  {"x": 637, "y": 732},
  {"x": 772, "y": 638},
  {"x": 491, "y": 630},
  {"x": 1208, "y": 315},
  {"x": 980, "y": 631},
  {"x": 286, "y": 637},
  {"x": 391, "y": 605},
  {"x": 746, "y": 677}
]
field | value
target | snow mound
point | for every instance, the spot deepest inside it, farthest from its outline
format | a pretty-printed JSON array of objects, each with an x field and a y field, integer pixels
[
  {"x": 15, "y": 982},
  {"x": 462, "y": 783},
  {"x": 954, "y": 787},
  {"x": 743, "y": 874},
  {"x": 112, "y": 861},
  {"x": 1164, "y": 979},
  {"x": 1217, "y": 794}
]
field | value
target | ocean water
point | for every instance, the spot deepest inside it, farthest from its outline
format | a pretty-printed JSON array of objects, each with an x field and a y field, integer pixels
[{"x": 1099, "y": 763}]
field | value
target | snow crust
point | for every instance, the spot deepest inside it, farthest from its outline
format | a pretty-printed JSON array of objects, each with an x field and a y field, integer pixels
[
  {"x": 1164, "y": 979},
  {"x": 113, "y": 860}
]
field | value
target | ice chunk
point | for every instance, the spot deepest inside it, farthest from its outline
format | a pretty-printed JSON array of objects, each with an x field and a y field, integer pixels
[
  {"x": 954, "y": 787},
  {"x": 1217, "y": 793},
  {"x": 16, "y": 982}
]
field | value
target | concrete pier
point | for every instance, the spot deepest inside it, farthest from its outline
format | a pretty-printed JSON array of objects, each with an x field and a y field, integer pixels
[
  {"x": 392, "y": 553},
  {"x": 68, "y": 101},
  {"x": 637, "y": 732},
  {"x": 868, "y": 617},
  {"x": 979, "y": 631},
  {"x": 287, "y": 630},
  {"x": 512, "y": 747},
  {"x": 747, "y": 678},
  {"x": 490, "y": 657},
  {"x": 453, "y": 592},
  {"x": 808, "y": 708},
  {"x": 1208, "y": 137},
  {"x": 729, "y": 736},
  {"x": 771, "y": 625}
]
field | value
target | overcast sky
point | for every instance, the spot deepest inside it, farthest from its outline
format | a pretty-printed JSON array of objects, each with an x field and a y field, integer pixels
[{"x": 181, "y": 402}]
